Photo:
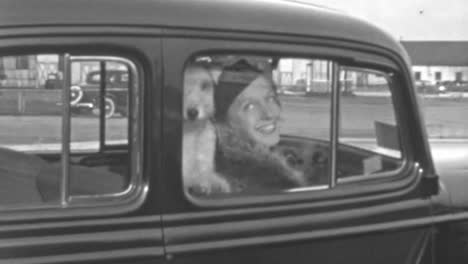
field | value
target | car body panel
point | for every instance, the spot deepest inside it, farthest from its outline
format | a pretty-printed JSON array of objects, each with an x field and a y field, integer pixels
[
  {"x": 135, "y": 239},
  {"x": 313, "y": 224},
  {"x": 451, "y": 161},
  {"x": 124, "y": 231},
  {"x": 394, "y": 222}
]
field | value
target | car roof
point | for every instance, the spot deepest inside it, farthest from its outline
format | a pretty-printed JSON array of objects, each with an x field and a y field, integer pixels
[{"x": 268, "y": 16}]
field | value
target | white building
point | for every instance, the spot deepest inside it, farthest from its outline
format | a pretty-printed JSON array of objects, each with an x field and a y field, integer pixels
[{"x": 437, "y": 61}]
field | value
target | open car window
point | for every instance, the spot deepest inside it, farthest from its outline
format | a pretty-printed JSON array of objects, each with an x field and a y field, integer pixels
[
  {"x": 255, "y": 125},
  {"x": 367, "y": 122},
  {"x": 64, "y": 142}
]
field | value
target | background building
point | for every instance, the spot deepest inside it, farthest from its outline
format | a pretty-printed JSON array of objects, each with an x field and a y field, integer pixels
[
  {"x": 438, "y": 61},
  {"x": 30, "y": 72}
]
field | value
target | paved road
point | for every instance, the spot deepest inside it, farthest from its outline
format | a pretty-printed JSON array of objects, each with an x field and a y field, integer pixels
[
  {"x": 446, "y": 118},
  {"x": 48, "y": 129},
  {"x": 306, "y": 116}
]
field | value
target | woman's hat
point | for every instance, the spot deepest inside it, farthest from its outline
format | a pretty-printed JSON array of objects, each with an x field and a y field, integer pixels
[{"x": 232, "y": 81}]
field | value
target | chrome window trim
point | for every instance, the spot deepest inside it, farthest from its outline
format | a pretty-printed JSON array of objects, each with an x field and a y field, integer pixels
[
  {"x": 102, "y": 107},
  {"x": 334, "y": 185},
  {"x": 135, "y": 135},
  {"x": 334, "y": 122},
  {"x": 403, "y": 158},
  {"x": 66, "y": 132},
  {"x": 66, "y": 205},
  {"x": 308, "y": 188}
]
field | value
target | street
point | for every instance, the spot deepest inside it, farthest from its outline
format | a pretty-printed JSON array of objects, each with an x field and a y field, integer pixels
[{"x": 301, "y": 116}]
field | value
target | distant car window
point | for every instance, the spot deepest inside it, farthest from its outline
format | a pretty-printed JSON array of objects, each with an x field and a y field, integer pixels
[
  {"x": 417, "y": 76},
  {"x": 32, "y": 142},
  {"x": 95, "y": 77},
  {"x": 124, "y": 77},
  {"x": 262, "y": 124}
]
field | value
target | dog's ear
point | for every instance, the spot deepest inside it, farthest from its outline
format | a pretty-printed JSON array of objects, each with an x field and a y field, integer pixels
[{"x": 215, "y": 71}]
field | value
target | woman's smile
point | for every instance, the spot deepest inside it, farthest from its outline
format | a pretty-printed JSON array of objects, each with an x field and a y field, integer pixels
[
  {"x": 255, "y": 113},
  {"x": 266, "y": 129}
]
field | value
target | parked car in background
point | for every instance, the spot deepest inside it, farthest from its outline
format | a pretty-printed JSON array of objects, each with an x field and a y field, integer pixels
[
  {"x": 427, "y": 87},
  {"x": 443, "y": 88},
  {"x": 85, "y": 96},
  {"x": 299, "y": 88},
  {"x": 53, "y": 81},
  {"x": 454, "y": 86}
]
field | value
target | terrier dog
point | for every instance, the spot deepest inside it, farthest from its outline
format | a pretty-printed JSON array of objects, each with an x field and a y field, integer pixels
[{"x": 199, "y": 135}]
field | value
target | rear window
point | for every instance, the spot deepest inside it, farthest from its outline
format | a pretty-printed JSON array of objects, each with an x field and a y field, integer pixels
[{"x": 63, "y": 142}]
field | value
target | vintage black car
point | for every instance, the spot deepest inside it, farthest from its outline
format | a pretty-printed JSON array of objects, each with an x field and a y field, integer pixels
[
  {"x": 453, "y": 86},
  {"x": 85, "y": 96},
  {"x": 426, "y": 87},
  {"x": 112, "y": 190}
]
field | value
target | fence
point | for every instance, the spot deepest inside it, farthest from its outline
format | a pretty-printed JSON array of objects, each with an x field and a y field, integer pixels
[{"x": 30, "y": 102}]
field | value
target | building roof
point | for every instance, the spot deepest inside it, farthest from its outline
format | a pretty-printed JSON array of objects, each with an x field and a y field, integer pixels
[
  {"x": 441, "y": 53},
  {"x": 268, "y": 16}
]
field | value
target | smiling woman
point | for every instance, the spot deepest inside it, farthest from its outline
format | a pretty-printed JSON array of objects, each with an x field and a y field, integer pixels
[
  {"x": 250, "y": 150},
  {"x": 247, "y": 120},
  {"x": 247, "y": 100},
  {"x": 265, "y": 125}
]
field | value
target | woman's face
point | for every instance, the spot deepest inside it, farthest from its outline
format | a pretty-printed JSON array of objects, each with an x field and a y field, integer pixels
[{"x": 255, "y": 113}]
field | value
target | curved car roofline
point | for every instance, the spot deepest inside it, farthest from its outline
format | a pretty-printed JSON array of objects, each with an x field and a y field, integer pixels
[
  {"x": 266, "y": 16},
  {"x": 314, "y": 5}
]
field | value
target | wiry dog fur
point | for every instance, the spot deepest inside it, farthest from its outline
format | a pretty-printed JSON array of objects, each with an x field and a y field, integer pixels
[{"x": 199, "y": 136}]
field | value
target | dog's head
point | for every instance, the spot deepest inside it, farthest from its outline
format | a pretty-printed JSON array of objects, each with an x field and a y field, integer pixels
[{"x": 198, "y": 93}]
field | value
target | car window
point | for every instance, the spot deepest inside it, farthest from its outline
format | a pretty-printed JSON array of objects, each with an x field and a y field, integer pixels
[
  {"x": 264, "y": 124},
  {"x": 124, "y": 77},
  {"x": 367, "y": 121},
  {"x": 36, "y": 151},
  {"x": 94, "y": 77},
  {"x": 86, "y": 98}
]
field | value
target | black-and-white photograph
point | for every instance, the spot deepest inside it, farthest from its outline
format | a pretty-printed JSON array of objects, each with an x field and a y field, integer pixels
[{"x": 233, "y": 131}]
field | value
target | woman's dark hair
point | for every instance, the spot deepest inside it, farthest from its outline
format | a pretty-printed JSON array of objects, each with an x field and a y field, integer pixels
[{"x": 232, "y": 81}]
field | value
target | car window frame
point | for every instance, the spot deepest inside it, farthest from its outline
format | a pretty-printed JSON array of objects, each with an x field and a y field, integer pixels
[
  {"x": 335, "y": 117},
  {"x": 342, "y": 189},
  {"x": 389, "y": 77},
  {"x": 137, "y": 189},
  {"x": 134, "y": 145}
]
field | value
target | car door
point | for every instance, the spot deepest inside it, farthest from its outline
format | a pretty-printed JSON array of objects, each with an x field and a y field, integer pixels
[
  {"x": 446, "y": 125},
  {"x": 75, "y": 186},
  {"x": 346, "y": 109}
]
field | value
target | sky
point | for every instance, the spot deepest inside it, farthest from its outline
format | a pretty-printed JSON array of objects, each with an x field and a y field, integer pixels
[{"x": 410, "y": 19}]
